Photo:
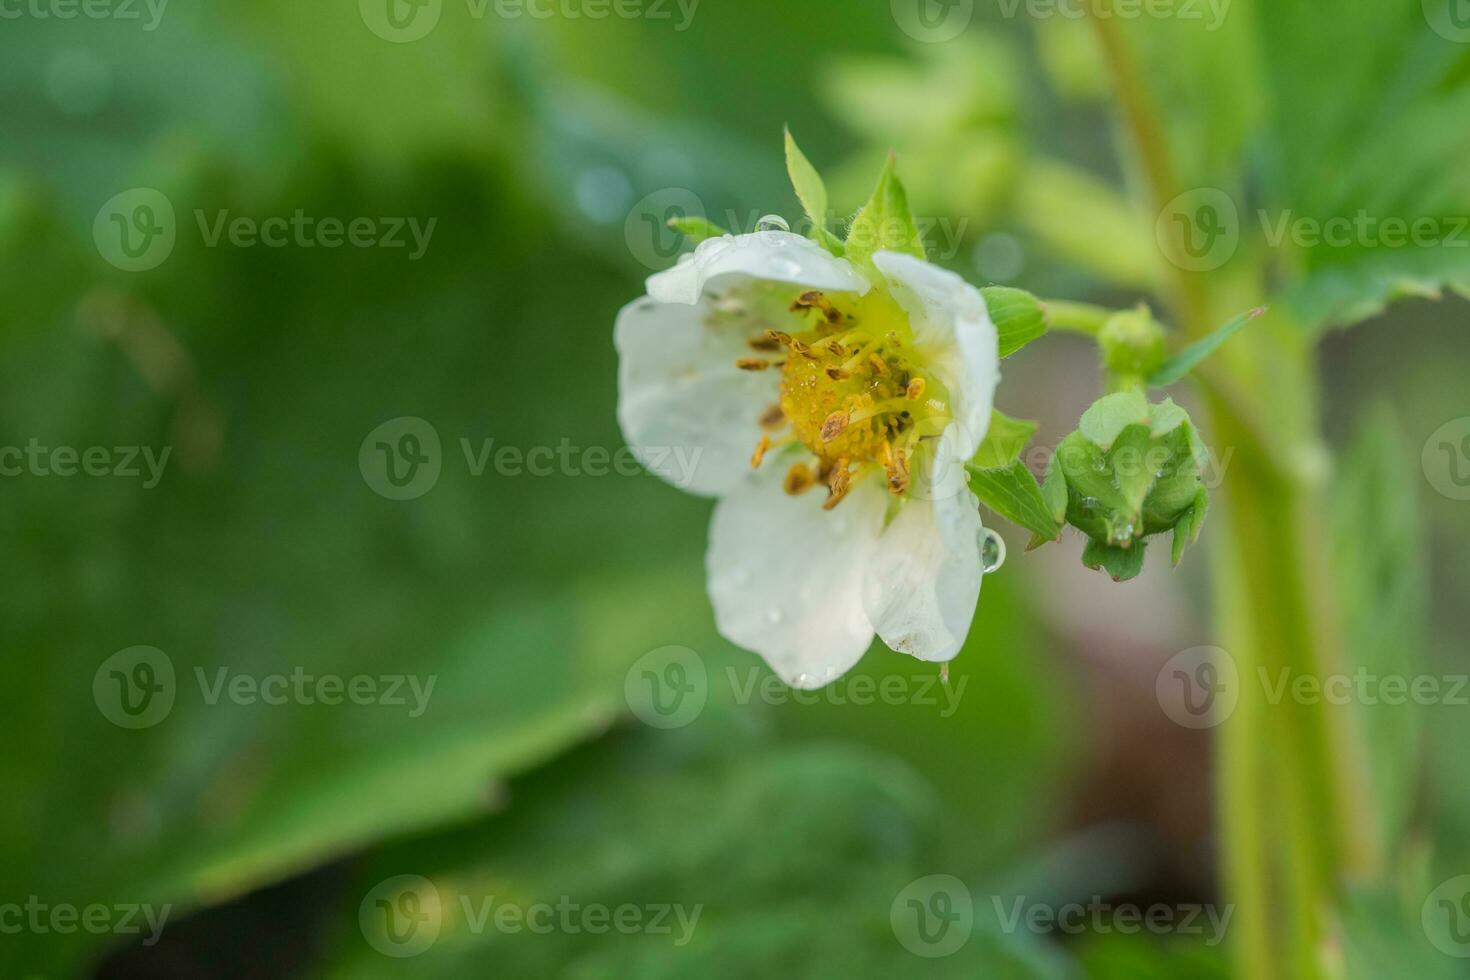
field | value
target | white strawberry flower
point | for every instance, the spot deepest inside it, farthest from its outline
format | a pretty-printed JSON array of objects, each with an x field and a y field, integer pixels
[{"x": 778, "y": 368}]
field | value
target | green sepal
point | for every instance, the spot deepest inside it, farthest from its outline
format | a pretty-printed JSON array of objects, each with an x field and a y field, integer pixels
[
  {"x": 1054, "y": 490},
  {"x": 1011, "y": 491},
  {"x": 696, "y": 229},
  {"x": 1004, "y": 441},
  {"x": 1186, "y": 532},
  {"x": 811, "y": 191},
  {"x": 1121, "y": 563},
  {"x": 1018, "y": 317},
  {"x": 1131, "y": 470},
  {"x": 885, "y": 222},
  {"x": 1111, "y": 414}
]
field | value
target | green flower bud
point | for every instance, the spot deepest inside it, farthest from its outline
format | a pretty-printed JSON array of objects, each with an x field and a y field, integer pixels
[
  {"x": 1131, "y": 470},
  {"x": 1132, "y": 347}
]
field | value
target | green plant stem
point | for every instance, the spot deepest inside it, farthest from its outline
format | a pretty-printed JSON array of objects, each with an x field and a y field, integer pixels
[
  {"x": 1289, "y": 818},
  {"x": 1083, "y": 318}
]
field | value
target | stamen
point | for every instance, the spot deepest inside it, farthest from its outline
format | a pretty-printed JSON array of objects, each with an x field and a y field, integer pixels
[
  {"x": 764, "y": 342},
  {"x": 760, "y": 452},
  {"x": 897, "y": 467},
  {"x": 838, "y": 483},
  {"x": 915, "y": 389},
  {"x": 880, "y": 366},
  {"x": 862, "y": 355},
  {"x": 833, "y": 426},
  {"x": 772, "y": 417},
  {"x": 753, "y": 364},
  {"x": 798, "y": 480},
  {"x": 888, "y": 406},
  {"x": 813, "y": 300},
  {"x": 837, "y": 342}
]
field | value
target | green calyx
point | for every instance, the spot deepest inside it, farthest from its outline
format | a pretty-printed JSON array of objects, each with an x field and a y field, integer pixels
[
  {"x": 1132, "y": 344},
  {"x": 1131, "y": 470}
]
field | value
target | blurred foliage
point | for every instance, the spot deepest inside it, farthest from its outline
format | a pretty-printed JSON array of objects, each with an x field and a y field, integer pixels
[{"x": 538, "y": 146}]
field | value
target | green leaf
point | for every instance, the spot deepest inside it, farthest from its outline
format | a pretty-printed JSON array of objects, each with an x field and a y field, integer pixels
[
  {"x": 1011, "y": 491},
  {"x": 1004, "y": 441},
  {"x": 885, "y": 222},
  {"x": 1017, "y": 315},
  {"x": 695, "y": 228},
  {"x": 1121, "y": 563},
  {"x": 1185, "y": 361}
]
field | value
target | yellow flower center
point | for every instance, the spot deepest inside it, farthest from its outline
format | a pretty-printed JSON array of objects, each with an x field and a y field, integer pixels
[{"x": 853, "y": 392}]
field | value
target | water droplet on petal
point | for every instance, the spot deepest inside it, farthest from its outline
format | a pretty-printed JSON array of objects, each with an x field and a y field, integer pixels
[
  {"x": 772, "y": 222},
  {"x": 802, "y": 680},
  {"x": 992, "y": 551}
]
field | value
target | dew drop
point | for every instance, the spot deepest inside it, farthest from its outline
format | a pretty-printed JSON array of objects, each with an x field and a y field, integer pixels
[
  {"x": 802, "y": 680},
  {"x": 772, "y": 222},
  {"x": 992, "y": 551}
]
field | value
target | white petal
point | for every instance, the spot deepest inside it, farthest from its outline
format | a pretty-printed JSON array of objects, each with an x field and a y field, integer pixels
[
  {"x": 775, "y": 256},
  {"x": 953, "y": 331},
  {"x": 689, "y": 414},
  {"x": 785, "y": 576},
  {"x": 923, "y": 578}
]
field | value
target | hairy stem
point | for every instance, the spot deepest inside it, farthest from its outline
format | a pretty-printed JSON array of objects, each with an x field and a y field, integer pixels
[{"x": 1290, "y": 825}]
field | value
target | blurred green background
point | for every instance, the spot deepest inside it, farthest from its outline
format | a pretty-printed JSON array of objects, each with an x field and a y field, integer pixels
[{"x": 541, "y": 149}]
